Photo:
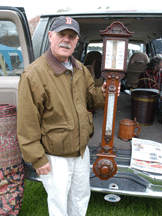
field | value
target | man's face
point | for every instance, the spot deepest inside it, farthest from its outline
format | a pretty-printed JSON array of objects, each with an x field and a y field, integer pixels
[
  {"x": 157, "y": 68},
  {"x": 63, "y": 44}
]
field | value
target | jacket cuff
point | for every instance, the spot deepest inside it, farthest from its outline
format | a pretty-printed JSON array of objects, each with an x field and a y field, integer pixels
[
  {"x": 41, "y": 162},
  {"x": 100, "y": 100}
]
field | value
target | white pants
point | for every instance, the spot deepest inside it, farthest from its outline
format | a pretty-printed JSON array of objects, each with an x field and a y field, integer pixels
[{"x": 68, "y": 185}]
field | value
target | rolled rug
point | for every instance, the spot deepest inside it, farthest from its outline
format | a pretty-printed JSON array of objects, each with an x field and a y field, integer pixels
[{"x": 11, "y": 166}]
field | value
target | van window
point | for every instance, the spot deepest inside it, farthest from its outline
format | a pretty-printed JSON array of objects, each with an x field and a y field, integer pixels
[
  {"x": 132, "y": 48},
  {"x": 11, "y": 60},
  {"x": 158, "y": 46},
  {"x": 95, "y": 47}
]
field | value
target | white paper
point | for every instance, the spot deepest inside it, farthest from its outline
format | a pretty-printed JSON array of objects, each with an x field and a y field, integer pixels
[{"x": 146, "y": 155}]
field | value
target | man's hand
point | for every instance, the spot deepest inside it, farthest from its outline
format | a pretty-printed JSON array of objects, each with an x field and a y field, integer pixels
[
  {"x": 104, "y": 89},
  {"x": 44, "y": 170}
]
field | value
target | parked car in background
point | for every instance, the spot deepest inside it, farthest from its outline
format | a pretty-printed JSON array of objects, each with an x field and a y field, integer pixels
[{"x": 147, "y": 28}]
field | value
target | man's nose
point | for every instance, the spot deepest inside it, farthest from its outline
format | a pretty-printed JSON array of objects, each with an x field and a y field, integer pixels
[{"x": 66, "y": 37}]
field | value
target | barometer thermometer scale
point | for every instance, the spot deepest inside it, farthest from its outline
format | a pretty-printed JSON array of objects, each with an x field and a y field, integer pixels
[{"x": 110, "y": 114}]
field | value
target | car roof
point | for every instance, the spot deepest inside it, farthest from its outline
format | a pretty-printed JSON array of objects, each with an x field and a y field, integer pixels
[{"x": 146, "y": 25}]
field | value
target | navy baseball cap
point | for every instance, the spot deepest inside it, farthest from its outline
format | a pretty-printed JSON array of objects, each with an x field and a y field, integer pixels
[{"x": 61, "y": 23}]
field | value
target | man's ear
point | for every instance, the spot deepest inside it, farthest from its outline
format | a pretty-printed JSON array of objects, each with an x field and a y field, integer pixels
[
  {"x": 49, "y": 35},
  {"x": 77, "y": 38}
]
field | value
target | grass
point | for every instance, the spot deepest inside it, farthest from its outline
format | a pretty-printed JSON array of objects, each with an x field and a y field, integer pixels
[
  {"x": 35, "y": 204},
  {"x": 35, "y": 200}
]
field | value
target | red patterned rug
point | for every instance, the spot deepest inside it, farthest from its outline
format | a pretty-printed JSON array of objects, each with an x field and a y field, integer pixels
[{"x": 11, "y": 167}]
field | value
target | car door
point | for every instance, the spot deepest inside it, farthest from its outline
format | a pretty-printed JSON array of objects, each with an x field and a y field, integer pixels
[{"x": 16, "y": 52}]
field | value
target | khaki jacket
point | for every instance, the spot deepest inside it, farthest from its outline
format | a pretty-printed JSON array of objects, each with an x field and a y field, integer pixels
[{"x": 52, "y": 109}]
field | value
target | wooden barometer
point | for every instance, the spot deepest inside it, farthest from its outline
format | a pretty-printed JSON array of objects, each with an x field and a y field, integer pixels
[{"x": 114, "y": 61}]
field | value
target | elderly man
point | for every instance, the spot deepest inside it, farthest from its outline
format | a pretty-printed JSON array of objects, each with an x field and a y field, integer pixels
[{"x": 54, "y": 125}]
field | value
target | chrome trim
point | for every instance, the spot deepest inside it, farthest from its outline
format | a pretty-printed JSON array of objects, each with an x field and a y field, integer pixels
[
  {"x": 146, "y": 175},
  {"x": 152, "y": 182},
  {"x": 148, "y": 193}
]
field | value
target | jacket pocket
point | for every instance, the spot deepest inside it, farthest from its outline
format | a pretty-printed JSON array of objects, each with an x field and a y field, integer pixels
[{"x": 54, "y": 140}]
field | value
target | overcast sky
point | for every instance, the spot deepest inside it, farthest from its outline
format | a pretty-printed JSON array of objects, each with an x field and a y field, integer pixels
[{"x": 34, "y": 8}]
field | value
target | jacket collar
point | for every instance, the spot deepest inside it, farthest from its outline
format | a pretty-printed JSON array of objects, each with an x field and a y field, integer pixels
[{"x": 56, "y": 65}]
